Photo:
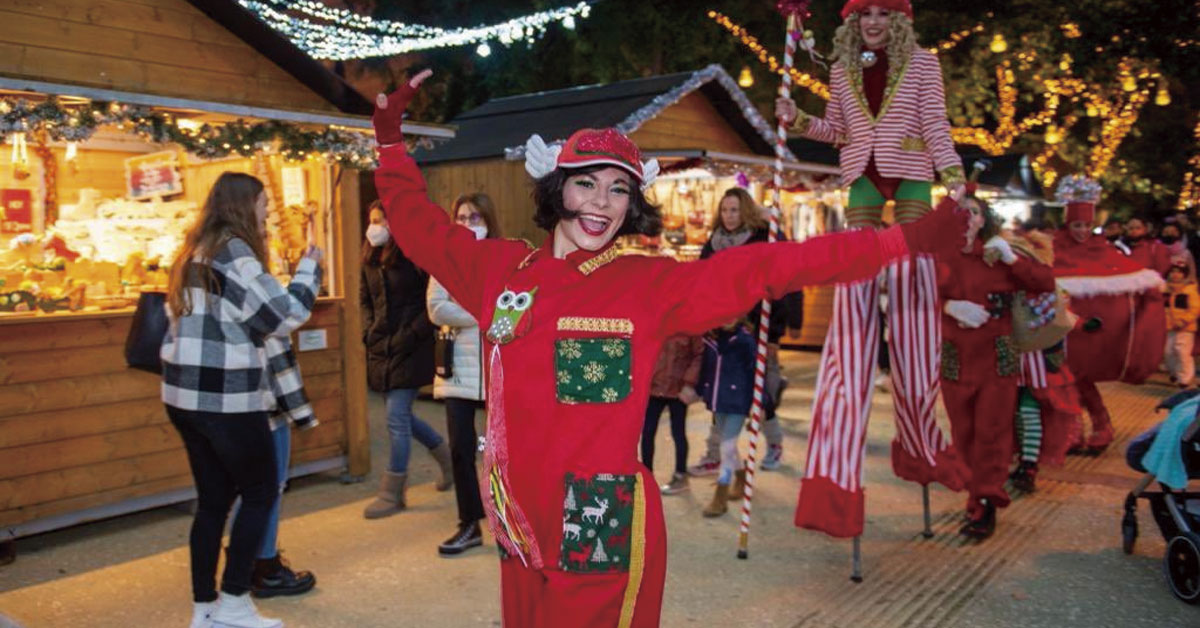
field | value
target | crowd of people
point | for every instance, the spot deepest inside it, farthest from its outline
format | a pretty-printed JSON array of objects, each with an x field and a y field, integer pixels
[{"x": 1012, "y": 328}]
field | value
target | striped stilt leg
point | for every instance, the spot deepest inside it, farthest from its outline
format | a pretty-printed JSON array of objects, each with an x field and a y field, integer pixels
[
  {"x": 831, "y": 495},
  {"x": 920, "y": 452}
]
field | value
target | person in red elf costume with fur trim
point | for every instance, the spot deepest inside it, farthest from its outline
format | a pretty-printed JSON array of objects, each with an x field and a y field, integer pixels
[
  {"x": 575, "y": 332},
  {"x": 1122, "y": 329},
  {"x": 980, "y": 362},
  {"x": 887, "y": 115}
]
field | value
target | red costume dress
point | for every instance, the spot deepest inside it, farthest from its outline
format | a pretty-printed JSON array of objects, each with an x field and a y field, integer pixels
[
  {"x": 579, "y": 516},
  {"x": 980, "y": 366},
  {"x": 1125, "y": 301}
]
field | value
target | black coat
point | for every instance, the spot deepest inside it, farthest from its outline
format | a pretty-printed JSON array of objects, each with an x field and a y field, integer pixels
[{"x": 396, "y": 327}]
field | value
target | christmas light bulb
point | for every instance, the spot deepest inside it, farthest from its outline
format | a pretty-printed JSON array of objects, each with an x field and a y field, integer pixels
[
  {"x": 1163, "y": 97},
  {"x": 483, "y": 50},
  {"x": 998, "y": 44},
  {"x": 746, "y": 78}
]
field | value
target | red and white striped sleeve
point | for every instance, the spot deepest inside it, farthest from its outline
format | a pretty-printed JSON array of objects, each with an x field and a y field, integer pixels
[
  {"x": 935, "y": 128},
  {"x": 830, "y": 129}
]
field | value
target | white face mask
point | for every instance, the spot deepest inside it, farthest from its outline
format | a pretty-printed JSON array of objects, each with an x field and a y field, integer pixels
[
  {"x": 479, "y": 230},
  {"x": 377, "y": 234}
]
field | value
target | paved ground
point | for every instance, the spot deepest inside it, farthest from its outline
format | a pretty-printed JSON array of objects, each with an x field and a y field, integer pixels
[{"x": 1055, "y": 561}]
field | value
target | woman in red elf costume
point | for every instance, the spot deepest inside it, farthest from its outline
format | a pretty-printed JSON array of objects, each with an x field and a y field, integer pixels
[
  {"x": 1119, "y": 304},
  {"x": 575, "y": 329},
  {"x": 887, "y": 116},
  {"x": 980, "y": 362}
]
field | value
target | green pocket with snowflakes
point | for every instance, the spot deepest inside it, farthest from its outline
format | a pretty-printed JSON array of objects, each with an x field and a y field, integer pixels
[
  {"x": 598, "y": 522},
  {"x": 592, "y": 370}
]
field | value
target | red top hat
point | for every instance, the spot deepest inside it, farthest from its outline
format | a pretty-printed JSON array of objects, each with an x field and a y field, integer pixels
[{"x": 1080, "y": 210}]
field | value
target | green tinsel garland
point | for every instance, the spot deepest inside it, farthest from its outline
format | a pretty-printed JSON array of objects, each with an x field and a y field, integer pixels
[{"x": 79, "y": 123}]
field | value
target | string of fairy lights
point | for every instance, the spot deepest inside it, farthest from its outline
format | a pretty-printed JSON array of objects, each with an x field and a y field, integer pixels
[
  {"x": 1065, "y": 98},
  {"x": 335, "y": 34}
]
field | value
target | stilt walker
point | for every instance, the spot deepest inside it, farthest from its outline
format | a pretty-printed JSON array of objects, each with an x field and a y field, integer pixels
[
  {"x": 887, "y": 114},
  {"x": 793, "y": 10}
]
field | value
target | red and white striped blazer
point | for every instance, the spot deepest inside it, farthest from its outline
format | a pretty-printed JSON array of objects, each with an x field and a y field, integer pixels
[{"x": 910, "y": 137}]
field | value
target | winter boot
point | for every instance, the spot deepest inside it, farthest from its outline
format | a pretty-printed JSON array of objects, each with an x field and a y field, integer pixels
[
  {"x": 677, "y": 485},
  {"x": 1024, "y": 477},
  {"x": 441, "y": 454},
  {"x": 390, "y": 498},
  {"x": 1101, "y": 436},
  {"x": 469, "y": 535},
  {"x": 202, "y": 614},
  {"x": 982, "y": 526},
  {"x": 274, "y": 576},
  {"x": 238, "y": 611},
  {"x": 739, "y": 485},
  {"x": 717, "y": 506}
]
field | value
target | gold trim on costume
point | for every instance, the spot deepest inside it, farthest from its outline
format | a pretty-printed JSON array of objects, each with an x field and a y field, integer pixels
[
  {"x": 913, "y": 143},
  {"x": 596, "y": 325},
  {"x": 637, "y": 553},
  {"x": 889, "y": 92},
  {"x": 591, "y": 265}
]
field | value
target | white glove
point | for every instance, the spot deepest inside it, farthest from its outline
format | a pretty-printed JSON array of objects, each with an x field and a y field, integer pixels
[
  {"x": 1002, "y": 248},
  {"x": 969, "y": 314},
  {"x": 540, "y": 159}
]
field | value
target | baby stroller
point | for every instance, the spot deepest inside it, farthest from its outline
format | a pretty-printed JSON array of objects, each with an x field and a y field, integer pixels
[{"x": 1177, "y": 512}]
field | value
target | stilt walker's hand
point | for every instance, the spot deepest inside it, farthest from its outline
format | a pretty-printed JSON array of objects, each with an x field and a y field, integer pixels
[
  {"x": 389, "y": 110},
  {"x": 941, "y": 230}
]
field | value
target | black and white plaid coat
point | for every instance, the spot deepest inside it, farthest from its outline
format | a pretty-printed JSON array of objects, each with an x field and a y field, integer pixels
[{"x": 215, "y": 358}]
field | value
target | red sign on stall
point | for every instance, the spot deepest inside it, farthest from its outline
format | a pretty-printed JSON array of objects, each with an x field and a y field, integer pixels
[
  {"x": 152, "y": 175},
  {"x": 16, "y": 210}
]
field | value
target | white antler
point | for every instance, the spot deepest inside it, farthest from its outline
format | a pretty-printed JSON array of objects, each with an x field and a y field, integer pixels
[
  {"x": 649, "y": 173},
  {"x": 540, "y": 160}
]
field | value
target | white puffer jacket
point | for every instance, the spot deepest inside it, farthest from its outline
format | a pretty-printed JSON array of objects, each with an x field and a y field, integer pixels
[{"x": 465, "y": 379}]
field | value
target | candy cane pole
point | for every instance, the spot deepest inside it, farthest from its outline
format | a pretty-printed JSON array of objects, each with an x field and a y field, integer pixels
[{"x": 760, "y": 363}]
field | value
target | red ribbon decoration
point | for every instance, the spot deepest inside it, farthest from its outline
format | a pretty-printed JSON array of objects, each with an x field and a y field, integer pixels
[{"x": 794, "y": 7}]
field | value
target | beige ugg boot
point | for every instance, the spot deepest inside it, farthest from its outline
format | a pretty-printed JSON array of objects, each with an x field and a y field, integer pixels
[
  {"x": 390, "y": 498},
  {"x": 717, "y": 506},
  {"x": 441, "y": 454},
  {"x": 739, "y": 485}
]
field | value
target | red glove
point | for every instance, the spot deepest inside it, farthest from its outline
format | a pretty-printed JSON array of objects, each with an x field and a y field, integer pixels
[
  {"x": 389, "y": 110},
  {"x": 941, "y": 230}
]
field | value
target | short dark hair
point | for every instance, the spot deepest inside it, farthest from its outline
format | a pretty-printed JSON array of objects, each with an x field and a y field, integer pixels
[
  {"x": 1113, "y": 220},
  {"x": 643, "y": 218}
]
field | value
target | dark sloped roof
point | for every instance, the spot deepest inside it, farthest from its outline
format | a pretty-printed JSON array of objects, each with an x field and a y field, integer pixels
[
  {"x": 501, "y": 123},
  {"x": 285, "y": 54}
]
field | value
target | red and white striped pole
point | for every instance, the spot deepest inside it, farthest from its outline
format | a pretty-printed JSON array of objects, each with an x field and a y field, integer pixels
[{"x": 764, "y": 319}]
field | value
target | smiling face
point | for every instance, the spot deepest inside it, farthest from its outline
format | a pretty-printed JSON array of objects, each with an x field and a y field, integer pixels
[
  {"x": 1080, "y": 230},
  {"x": 731, "y": 213},
  {"x": 873, "y": 24},
  {"x": 602, "y": 200}
]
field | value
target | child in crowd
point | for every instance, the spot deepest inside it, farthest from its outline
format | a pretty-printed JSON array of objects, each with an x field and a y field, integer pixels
[
  {"x": 727, "y": 387},
  {"x": 673, "y": 387},
  {"x": 1183, "y": 307}
]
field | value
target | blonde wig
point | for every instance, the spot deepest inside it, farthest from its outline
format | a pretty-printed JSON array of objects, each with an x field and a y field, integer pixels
[{"x": 848, "y": 42}]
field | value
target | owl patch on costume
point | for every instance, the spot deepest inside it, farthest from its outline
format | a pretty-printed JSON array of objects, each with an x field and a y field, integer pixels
[{"x": 511, "y": 318}]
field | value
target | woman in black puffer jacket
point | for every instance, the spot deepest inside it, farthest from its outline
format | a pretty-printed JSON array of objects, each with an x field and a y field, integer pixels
[{"x": 399, "y": 339}]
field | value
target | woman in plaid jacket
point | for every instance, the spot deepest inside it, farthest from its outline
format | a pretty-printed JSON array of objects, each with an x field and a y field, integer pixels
[
  {"x": 887, "y": 114},
  {"x": 219, "y": 385}
]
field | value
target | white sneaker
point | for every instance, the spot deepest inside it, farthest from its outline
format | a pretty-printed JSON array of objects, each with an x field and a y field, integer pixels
[
  {"x": 202, "y": 614},
  {"x": 773, "y": 459},
  {"x": 238, "y": 611}
]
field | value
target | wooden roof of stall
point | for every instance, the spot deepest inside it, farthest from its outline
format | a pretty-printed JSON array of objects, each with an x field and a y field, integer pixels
[
  {"x": 504, "y": 124},
  {"x": 201, "y": 50}
]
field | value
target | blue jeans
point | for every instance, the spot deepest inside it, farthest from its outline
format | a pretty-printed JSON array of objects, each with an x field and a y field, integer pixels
[
  {"x": 403, "y": 426},
  {"x": 282, "y": 436},
  {"x": 729, "y": 426}
]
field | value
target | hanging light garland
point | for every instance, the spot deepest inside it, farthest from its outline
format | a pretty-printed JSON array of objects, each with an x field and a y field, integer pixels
[
  {"x": 803, "y": 79},
  {"x": 336, "y": 34},
  {"x": 1189, "y": 196},
  {"x": 72, "y": 124}
]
